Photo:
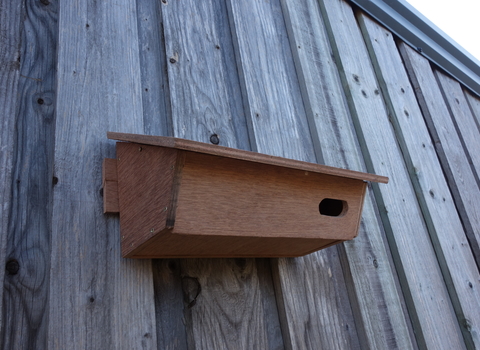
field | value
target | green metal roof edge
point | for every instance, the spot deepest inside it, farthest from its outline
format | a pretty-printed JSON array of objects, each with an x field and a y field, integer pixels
[{"x": 416, "y": 30}]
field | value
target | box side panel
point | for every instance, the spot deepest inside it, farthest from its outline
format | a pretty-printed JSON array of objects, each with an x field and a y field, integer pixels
[
  {"x": 229, "y": 197},
  {"x": 145, "y": 182}
]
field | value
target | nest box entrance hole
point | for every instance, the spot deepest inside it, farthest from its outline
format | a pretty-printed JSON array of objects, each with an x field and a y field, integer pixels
[{"x": 332, "y": 207}]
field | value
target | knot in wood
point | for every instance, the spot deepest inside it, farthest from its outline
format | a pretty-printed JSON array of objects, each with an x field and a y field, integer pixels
[{"x": 12, "y": 267}]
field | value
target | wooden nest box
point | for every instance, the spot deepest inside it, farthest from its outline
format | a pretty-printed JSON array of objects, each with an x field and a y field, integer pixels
[{"x": 181, "y": 199}]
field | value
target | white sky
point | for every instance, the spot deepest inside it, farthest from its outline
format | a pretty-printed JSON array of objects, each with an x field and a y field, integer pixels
[{"x": 459, "y": 19}]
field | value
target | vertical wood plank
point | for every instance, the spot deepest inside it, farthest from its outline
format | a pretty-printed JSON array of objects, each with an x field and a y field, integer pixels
[
  {"x": 203, "y": 83},
  {"x": 446, "y": 231},
  {"x": 25, "y": 299},
  {"x": 171, "y": 332},
  {"x": 232, "y": 310},
  {"x": 169, "y": 303},
  {"x": 311, "y": 294},
  {"x": 474, "y": 103},
  {"x": 10, "y": 55},
  {"x": 270, "y": 89},
  {"x": 462, "y": 118},
  {"x": 428, "y": 302},
  {"x": 155, "y": 99},
  {"x": 448, "y": 145},
  {"x": 97, "y": 299},
  {"x": 377, "y": 300}
]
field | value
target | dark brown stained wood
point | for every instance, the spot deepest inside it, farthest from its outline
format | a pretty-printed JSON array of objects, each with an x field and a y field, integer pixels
[
  {"x": 201, "y": 147},
  {"x": 110, "y": 186},
  {"x": 10, "y": 50},
  {"x": 146, "y": 192},
  {"x": 455, "y": 162},
  {"x": 97, "y": 299},
  {"x": 176, "y": 203},
  {"x": 26, "y": 285},
  {"x": 445, "y": 227},
  {"x": 429, "y": 307},
  {"x": 278, "y": 124},
  {"x": 370, "y": 277}
]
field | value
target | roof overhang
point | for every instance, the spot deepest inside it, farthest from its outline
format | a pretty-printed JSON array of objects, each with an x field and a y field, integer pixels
[{"x": 416, "y": 30}]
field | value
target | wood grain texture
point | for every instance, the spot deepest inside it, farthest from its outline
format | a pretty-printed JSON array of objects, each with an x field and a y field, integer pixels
[
  {"x": 194, "y": 88},
  {"x": 446, "y": 231},
  {"x": 448, "y": 145},
  {"x": 427, "y": 298},
  {"x": 97, "y": 299},
  {"x": 200, "y": 147},
  {"x": 25, "y": 298},
  {"x": 154, "y": 80},
  {"x": 376, "y": 298},
  {"x": 203, "y": 82},
  {"x": 310, "y": 311},
  {"x": 110, "y": 186},
  {"x": 474, "y": 103},
  {"x": 463, "y": 119},
  {"x": 270, "y": 90},
  {"x": 208, "y": 206},
  {"x": 169, "y": 305},
  {"x": 10, "y": 54}
]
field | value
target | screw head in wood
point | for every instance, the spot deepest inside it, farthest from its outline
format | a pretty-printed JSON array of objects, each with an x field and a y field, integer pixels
[{"x": 214, "y": 139}]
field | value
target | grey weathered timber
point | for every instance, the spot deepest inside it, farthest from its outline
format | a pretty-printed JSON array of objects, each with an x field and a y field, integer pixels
[
  {"x": 10, "y": 53},
  {"x": 169, "y": 305},
  {"x": 455, "y": 163},
  {"x": 462, "y": 118},
  {"x": 203, "y": 82},
  {"x": 25, "y": 298},
  {"x": 231, "y": 309},
  {"x": 155, "y": 99},
  {"x": 446, "y": 231},
  {"x": 97, "y": 299},
  {"x": 171, "y": 332},
  {"x": 270, "y": 90},
  {"x": 379, "y": 315},
  {"x": 226, "y": 306},
  {"x": 474, "y": 103},
  {"x": 427, "y": 298},
  {"x": 314, "y": 308}
]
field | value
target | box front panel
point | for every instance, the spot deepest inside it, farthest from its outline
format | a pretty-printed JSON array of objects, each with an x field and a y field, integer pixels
[{"x": 228, "y": 197}]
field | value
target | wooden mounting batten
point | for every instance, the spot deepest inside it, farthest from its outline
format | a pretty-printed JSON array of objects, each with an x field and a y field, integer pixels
[{"x": 181, "y": 198}]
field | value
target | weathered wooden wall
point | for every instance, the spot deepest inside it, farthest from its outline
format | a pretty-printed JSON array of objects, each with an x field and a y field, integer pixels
[{"x": 315, "y": 80}]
